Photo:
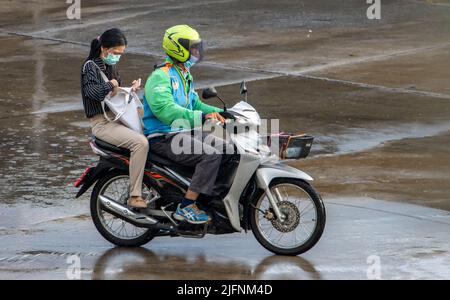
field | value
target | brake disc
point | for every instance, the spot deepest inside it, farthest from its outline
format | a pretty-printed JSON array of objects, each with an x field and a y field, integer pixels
[{"x": 291, "y": 217}]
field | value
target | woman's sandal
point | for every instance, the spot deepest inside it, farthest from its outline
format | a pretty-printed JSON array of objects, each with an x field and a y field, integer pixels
[{"x": 137, "y": 202}]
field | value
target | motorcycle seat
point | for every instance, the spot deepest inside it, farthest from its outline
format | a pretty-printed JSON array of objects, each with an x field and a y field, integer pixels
[
  {"x": 110, "y": 147},
  {"x": 152, "y": 157}
]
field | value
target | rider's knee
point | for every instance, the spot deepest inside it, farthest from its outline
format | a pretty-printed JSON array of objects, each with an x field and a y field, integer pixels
[{"x": 214, "y": 159}]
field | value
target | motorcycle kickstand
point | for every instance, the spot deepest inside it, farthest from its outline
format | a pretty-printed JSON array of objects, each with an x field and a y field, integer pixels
[{"x": 163, "y": 209}]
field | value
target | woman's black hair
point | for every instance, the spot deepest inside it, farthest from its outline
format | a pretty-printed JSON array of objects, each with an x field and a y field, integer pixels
[{"x": 110, "y": 38}]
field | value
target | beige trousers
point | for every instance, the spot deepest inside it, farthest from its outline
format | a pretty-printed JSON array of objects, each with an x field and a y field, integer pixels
[{"x": 119, "y": 135}]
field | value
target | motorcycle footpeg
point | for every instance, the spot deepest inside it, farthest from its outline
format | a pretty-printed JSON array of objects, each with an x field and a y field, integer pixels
[
  {"x": 185, "y": 232},
  {"x": 166, "y": 227},
  {"x": 185, "y": 225}
]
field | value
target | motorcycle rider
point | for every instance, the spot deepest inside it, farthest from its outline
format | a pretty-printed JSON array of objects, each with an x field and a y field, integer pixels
[{"x": 170, "y": 98}]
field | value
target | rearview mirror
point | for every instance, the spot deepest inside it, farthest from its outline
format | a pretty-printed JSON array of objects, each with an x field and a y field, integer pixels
[
  {"x": 243, "y": 88},
  {"x": 209, "y": 93}
]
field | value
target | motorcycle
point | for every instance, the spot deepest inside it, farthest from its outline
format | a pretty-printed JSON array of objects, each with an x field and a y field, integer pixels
[{"x": 263, "y": 194}]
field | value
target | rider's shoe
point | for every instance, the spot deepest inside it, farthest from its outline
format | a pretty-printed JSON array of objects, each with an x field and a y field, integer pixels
[{"x": 191, "y": 214}]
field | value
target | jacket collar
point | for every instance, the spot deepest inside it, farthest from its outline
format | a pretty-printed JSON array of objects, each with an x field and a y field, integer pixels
[{"x": 170, "y": 61}]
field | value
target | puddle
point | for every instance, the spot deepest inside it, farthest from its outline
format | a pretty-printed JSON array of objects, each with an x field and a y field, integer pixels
[
  {"x": 60, "y": 107},
  {"x": 361, "y": 139}
]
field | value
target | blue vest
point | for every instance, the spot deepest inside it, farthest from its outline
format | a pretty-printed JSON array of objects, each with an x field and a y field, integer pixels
[{"x": 151, "y": 123}]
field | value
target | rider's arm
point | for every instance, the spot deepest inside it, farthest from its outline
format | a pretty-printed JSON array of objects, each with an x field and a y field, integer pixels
[
  {"x": 158, "y": 92},
  {"x": 204, "y": 108}
]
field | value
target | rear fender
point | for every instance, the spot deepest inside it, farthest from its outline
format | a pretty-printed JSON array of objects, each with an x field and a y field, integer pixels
[{"x": 93, "y": 175}]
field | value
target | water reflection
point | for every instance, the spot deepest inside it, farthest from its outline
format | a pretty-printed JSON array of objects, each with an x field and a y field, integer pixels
[
  {"x": 142, "y": 263},
  {"x": 40, "y": 94}
]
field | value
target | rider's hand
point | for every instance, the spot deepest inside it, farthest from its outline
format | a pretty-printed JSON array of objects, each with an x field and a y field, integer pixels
[{"x": 216, "y": 116}]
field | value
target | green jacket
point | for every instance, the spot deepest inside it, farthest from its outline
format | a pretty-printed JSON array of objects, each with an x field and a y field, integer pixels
[{"x": 170, "y": 97}]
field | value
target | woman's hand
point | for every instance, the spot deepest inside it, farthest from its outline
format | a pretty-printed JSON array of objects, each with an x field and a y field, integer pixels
[
  {"x": 136, "y": 85},
  {"x": 114, "y": 82},
  {"x": 216, "y": 116},
  {"x": 114, "y": 91}
]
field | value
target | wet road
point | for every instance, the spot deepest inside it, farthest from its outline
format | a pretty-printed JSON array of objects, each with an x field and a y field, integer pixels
[
  {"x": 375, "y": 94},
  {"x": 402, "y": 241}
]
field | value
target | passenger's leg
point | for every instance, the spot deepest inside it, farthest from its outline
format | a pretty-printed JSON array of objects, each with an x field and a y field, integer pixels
[{"x": 121, "y": 136}]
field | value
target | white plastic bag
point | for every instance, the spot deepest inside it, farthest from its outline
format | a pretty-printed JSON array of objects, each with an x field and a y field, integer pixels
[{"x": 124, "y": 105}]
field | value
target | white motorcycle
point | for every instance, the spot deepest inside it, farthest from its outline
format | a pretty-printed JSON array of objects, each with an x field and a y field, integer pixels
[{"x": 259, "y": 192}]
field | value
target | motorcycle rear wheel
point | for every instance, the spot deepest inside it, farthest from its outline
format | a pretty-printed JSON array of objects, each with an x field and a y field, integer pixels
[
  {"x": 304, "y": 222},
  {"x": 113, "y": 229}
]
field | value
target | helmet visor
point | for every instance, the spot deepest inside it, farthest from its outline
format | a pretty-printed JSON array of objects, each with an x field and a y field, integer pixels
[{"x": 196, "y": 50}]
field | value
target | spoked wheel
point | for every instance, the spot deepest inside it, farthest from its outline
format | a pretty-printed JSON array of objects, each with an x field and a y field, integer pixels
[
  {"x": 303, "y": 219},
  {"x": 115, "y": 185}
]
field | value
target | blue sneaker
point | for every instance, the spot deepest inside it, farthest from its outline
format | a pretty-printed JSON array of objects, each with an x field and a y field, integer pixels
[{"x": 191, "y": 214}]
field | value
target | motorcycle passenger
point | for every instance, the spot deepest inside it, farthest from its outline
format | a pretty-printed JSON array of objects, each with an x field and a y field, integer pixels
[
  {"x": 169, "y": 98},
  {"x": 105, "y": 53}
]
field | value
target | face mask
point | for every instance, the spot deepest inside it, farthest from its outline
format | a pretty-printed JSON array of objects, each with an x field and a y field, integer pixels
[
  {"x": 191, "y": 62},
  {"x": 111, "y": 59}
]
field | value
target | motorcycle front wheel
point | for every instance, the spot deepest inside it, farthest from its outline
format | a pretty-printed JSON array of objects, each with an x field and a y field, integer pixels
[{"x": 303, "y": 219}]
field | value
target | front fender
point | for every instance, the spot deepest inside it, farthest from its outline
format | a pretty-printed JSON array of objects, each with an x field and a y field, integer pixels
[{"x": 266, "y": 173}]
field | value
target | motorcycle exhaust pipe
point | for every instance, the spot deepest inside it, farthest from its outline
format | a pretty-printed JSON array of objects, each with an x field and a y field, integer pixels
[{"x": 127, "y": 214}]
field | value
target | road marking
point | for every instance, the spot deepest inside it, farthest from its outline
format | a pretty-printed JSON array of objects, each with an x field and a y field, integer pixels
[
  {"x": 379, "y": 87},
  {"x": 372, "y": 58},
  {"x": 302, "y": 73},
  {"x": 431, "y": 3},
  {"x": 32, "y": 258},
  {"x": 11, "y": 258},
  {"x": 388, "y": 212},
  {"x": 102, "y": 21}
]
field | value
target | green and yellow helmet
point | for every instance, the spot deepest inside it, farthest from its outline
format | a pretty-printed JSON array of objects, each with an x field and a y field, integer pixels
[{"x": 180, "y": 40}]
